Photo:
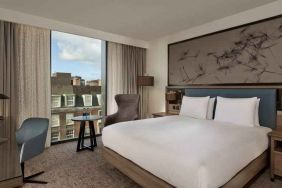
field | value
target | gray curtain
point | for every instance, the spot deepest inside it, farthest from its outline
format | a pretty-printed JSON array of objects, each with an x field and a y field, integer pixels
[
  {"x": 8, "y": 108},
  {"x": 24, "y": 74},
  {"x": 33, "y": 45},
  {"x": 124, "y": 64}
]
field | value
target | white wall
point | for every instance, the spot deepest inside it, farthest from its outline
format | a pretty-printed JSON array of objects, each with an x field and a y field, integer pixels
[
  {"x": 157, "y": 58},
  {"x": 23, "y": 18},
  {"x": 157, "y": 66}
]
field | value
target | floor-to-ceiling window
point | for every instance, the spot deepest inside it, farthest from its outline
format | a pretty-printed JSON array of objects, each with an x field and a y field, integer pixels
[{"x": 76, "y": 82}]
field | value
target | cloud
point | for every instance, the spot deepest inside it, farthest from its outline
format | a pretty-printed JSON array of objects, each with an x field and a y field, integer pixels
[{"x": 77, "y": 48}]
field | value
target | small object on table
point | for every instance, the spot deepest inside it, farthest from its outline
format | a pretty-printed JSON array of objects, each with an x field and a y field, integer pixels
[
  {"x": 275, "y": 153},
  {"x": 162, "y": 114},
  {"x": 85, "y": 112},
  {"x": 82, "y": 120}
]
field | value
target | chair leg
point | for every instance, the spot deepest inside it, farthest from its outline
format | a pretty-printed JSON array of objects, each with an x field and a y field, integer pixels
[
  {"x": 34, "y": 181},
  {"x": 34, "y": 175},
  {"x": 28, "y": 178}
]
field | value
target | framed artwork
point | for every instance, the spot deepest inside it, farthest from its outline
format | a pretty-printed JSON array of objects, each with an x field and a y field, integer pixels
[{"x": 250, "y": 54}]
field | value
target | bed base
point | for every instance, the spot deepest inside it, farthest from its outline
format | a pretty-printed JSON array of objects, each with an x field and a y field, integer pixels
[{"x": 148, "y": 180}]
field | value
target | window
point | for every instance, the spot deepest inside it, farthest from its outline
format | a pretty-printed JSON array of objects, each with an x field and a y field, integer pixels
[
  {"x": 87, "y": 100},
  {"x": 56, "y": 101},
  {"x": 87, "y": 131},
  {"x": 99, "y": 113},
  {"x": 55, "y": 134},
  {"x": 78, "y": 65},
  {"x": 69, "y": 116},
  {"x": 70, "y": 134},
  {"x": 69, "y": 100},
  {"x": 55, "y": 120}
]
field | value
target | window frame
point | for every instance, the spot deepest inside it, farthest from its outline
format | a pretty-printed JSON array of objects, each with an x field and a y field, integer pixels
[
  {"x": 84, "y": 96},
  {"x": 69, "y": 119},
  {"x": 58, "y": 138},
  {"x": 67, "y": 135},
  {"x": 60, "y": 101},
  {"x": 66, "y": 100},
  {"x": 58, "y": 121}
]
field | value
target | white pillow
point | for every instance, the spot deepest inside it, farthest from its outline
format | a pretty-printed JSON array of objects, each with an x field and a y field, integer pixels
[
  {"x": 257, "y": 112},
  {"x": 210, "y": 108},
  {"x": 195, "y": 107},
  {"x": 240, "y": 111}
]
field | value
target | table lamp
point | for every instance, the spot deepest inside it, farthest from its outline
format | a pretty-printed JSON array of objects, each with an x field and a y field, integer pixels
[{"x": 145, "y": 81}]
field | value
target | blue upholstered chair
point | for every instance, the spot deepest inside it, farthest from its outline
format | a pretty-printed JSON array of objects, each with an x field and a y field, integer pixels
[{"x": 31, "y": 137}]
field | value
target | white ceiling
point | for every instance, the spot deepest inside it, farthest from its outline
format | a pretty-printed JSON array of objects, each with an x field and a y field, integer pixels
[{"x": 140, "y": 19}]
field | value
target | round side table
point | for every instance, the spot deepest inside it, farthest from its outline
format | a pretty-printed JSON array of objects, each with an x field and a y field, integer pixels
[{"x": 90, "y": 119}]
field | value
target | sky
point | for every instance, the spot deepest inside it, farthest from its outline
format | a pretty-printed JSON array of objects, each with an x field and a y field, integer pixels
[{"x": 80, "y": 56}]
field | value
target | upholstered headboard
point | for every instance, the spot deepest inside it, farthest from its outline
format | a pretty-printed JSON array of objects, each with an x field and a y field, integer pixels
[{"x": 267, "y": 107}]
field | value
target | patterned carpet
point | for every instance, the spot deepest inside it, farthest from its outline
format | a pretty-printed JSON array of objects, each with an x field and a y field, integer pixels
[{"x": 64, "y": 168}]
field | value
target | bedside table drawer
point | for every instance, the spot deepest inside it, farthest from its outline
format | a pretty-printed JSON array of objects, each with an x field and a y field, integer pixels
[
  {"x": 278, "y": 163},
  {"x": 275, "y": 153}
]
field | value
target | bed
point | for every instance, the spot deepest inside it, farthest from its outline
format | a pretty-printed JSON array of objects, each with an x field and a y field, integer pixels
[{"x": 180, "y": 151}]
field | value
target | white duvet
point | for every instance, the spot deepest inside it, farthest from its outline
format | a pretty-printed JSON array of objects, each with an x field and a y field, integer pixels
[{"x": 187, "y": 152}]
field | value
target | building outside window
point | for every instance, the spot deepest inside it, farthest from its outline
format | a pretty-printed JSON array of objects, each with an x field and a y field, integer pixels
[{"x": 75, "y": 82}]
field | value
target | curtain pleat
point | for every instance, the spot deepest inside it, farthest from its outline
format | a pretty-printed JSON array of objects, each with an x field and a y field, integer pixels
[
  {"x": 124, "y": 64},
  {"x": 115, "y": 81}
]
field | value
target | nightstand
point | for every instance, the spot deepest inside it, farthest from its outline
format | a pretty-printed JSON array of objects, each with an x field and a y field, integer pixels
[
  {"x": 162, "y": 114},
  {"x": 275, "y": 153},
  {"x": 279, "y": 119}
]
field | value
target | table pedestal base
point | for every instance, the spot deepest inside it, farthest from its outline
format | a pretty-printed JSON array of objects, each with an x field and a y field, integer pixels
[{"x": 80, "y": 143}]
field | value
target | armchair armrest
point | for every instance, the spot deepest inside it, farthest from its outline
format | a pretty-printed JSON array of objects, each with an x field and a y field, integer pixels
[{"x": 110, "y": 119}]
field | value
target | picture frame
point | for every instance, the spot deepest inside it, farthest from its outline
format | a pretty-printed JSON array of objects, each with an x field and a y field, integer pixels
[{"x": 257, "y": 40}]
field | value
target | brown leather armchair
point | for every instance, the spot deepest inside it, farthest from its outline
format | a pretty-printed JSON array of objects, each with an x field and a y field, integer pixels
[{"x": 128, "y": 109}]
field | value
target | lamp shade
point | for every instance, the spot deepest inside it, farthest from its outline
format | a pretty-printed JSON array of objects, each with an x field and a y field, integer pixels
[
  {"x": 2, "y": 96},
  {"x": 145, "y": 80}
]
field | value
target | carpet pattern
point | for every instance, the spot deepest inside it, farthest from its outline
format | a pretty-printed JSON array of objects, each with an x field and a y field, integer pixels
[{"x": 65, "y": 168}]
